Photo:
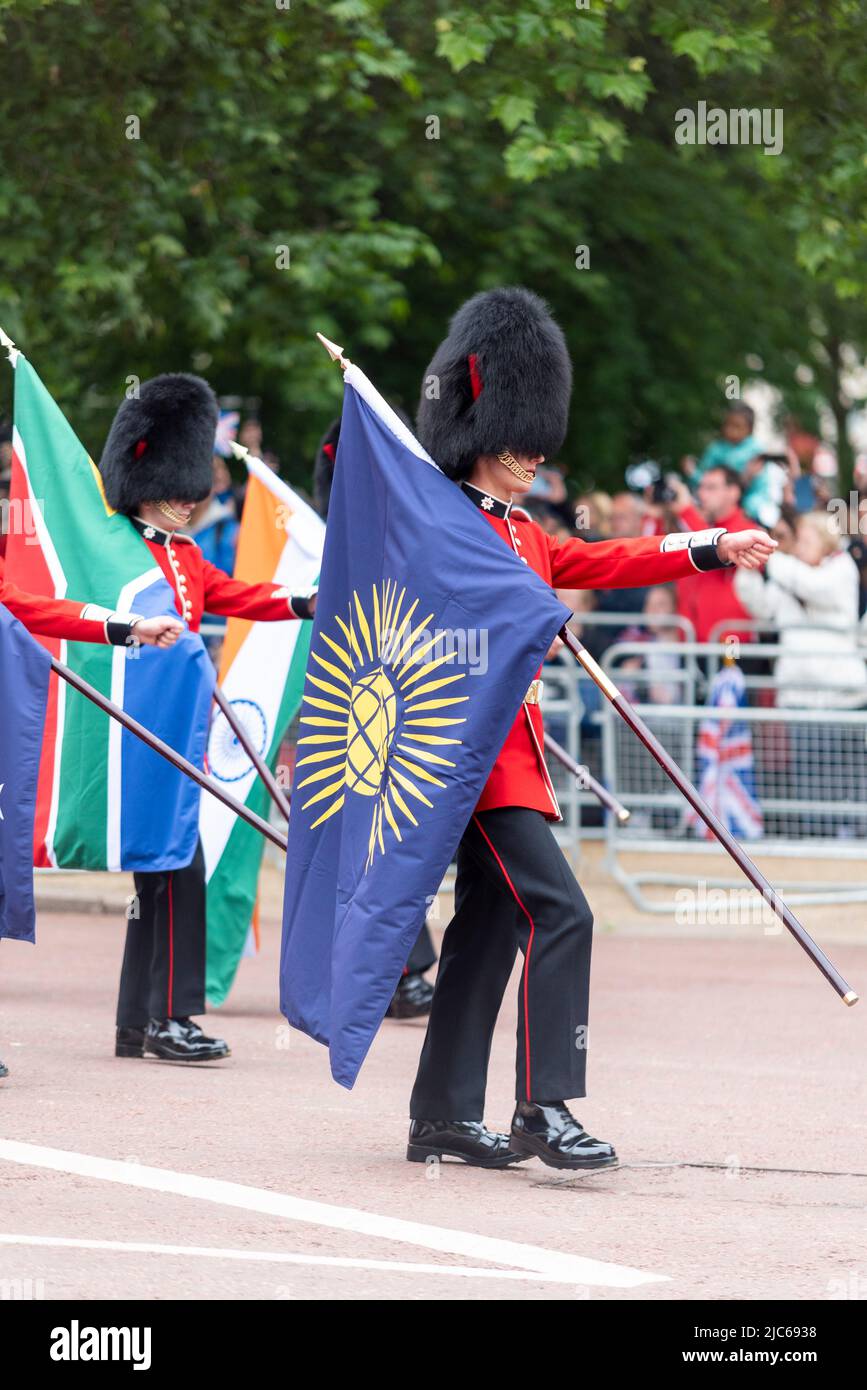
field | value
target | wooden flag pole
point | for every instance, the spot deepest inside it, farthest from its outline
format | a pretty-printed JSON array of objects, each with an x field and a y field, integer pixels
[
  {"x": 165, "y": 751},
  {"x": 712, "y": 821},
  {"x": 587, "y": 780},
  {"x": 278, "y": 796}
]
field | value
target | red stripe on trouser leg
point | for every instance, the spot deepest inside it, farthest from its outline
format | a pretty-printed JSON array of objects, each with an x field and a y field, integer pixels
[
  {"x": 171, "y": 943},
  {"x": 516, "y": 896}
]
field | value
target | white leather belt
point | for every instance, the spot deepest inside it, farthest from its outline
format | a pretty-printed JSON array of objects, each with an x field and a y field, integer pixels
[{"x": 534, "y": 694}]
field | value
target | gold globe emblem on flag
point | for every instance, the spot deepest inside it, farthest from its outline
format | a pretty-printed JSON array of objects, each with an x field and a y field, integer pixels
[
  {"x": 372, "y": 711},
  {"x": 380, "y": 715}
]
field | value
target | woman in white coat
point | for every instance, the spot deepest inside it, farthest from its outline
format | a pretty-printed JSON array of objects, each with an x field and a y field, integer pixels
[{"x": 811, "y": 596}]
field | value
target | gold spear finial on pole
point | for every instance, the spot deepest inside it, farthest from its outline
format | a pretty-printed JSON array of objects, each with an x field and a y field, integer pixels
[
  {"x": 12, "y": 352},
  {"x": 335, "y": 352}
]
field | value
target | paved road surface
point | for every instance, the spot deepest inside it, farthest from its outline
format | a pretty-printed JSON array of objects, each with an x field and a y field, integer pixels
[{"x": 728, "y": 1074}]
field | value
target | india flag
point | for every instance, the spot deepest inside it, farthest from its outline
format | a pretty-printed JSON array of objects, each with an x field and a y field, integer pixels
[
  {"x": 104, "y": 800},
  {"x": 262, "y": 676}
]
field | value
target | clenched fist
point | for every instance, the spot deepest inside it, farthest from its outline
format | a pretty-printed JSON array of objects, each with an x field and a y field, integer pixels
[{"x": 158, "y": 632}]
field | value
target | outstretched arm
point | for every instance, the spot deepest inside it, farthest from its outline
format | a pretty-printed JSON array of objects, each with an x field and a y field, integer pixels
[
  {"x": 269, "y": 603},
  {"x": 627, "y": 564},
  {"x": 85, "y": 622}
]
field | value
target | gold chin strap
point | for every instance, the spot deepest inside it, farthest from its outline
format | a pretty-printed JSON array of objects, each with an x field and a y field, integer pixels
[
  {"x": 509, "y": 461},
  {"x": 168, "y": 511}
]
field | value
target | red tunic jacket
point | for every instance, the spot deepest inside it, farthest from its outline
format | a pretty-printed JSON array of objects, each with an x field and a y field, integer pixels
[
  {"x": 715, "y": 601},
  {"x": 55, "y": 617},
  {"x": 199, "y": 587},
  {"x": 520, "y": 776}
]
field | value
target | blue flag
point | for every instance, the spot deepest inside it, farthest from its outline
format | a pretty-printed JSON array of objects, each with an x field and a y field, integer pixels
[
  {"x": 428, "y": 633},
  {"x": 24, "y": 671}
]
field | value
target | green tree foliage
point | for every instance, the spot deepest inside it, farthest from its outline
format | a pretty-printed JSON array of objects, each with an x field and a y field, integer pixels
[{"x": 206, "y": 185}]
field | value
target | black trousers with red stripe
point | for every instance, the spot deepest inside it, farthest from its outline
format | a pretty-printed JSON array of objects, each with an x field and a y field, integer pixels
[
  {"x": 514, "y": 891},
  {"x": 163, "y": 971}
]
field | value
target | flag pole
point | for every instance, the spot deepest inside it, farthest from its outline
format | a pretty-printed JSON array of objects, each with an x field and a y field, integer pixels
[
  {"x": 586, "y": 780},
  {"x": 167, "y": 752},
  {"x": 12, "y": 352},
  {"x": 278, "y": 796},
  {"x": 712, "y": 821}
]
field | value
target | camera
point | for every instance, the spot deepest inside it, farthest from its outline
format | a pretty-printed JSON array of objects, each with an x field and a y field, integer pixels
[{"x": 648, "y": 474}]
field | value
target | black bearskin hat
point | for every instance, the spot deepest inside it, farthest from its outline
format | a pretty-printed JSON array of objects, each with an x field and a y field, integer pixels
[
  {"x": 323, "y": 467},
  {"x": 501, "y": 381},
  {"x": 326, "y": 457},
  {"x": 161, "y": 443}
]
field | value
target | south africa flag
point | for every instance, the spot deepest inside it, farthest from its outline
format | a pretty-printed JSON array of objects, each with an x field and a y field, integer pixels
[{"x": 104, "y": 800}]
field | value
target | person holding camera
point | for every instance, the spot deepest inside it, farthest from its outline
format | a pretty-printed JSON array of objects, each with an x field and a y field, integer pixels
[{"x": 718, "y": 503}]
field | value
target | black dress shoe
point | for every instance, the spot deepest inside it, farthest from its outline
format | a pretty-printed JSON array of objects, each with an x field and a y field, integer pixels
[
  {"x": 181, "y": 1040},
  {"x": 412, "y": 998},
  {"x": 464, "y": 1139},
  {"x": 551, "y": 1133},
  {"x": 129, "y": 1042}
]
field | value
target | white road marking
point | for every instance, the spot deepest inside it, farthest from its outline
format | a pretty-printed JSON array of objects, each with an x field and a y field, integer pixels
[
  {"x": 571, "y": 1268},
  {"x": 278, "y": 1257}
]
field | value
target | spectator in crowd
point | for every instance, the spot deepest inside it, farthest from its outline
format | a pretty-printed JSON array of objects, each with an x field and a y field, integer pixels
[
  {"x": 784, "y": 531},
  {"x": 593, "y": 516},
  {"x": 710, "y": 600},
  {"x": 811, "y": 596},
  {"x": 215, "y": 521},
  {"x": 737, "y": 448},
  {"x": 250, "y": 435},
  {"x": 659, "y": 684},
  {"x": 626, "y": 520},
  {"x": 808, "y": 453}
]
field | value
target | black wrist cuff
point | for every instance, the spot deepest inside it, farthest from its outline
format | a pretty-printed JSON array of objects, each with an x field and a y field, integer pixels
[
  {"x": 119, "y": 631},
  {"x": 707, "y": 557},
  {"x": 301, "y": 606}
]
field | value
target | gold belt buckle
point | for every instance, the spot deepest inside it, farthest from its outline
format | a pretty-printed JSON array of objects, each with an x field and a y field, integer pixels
[{"x": 534, "y": 694}]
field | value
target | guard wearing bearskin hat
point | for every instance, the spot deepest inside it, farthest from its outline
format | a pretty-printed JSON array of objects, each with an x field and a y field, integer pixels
[
  {"x": 494, "y": 404},
  {"x": 156, "y": 465}
]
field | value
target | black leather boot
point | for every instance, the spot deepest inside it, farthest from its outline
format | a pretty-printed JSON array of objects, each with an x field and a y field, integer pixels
[
  {"x": 412, "y": 998},
  {"x": 181, "y": 1040},
  {"x": 129, "y": 1042},
  {"x": 551, "y": 1133},
  {"x": 464, "y": 1139}
]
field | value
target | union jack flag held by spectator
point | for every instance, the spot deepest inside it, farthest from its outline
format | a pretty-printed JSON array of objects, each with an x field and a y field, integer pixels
[{"x": 727, "y": 778}]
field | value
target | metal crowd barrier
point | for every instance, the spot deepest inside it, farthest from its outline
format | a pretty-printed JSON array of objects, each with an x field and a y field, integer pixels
[{"x": 810, "y": 772}]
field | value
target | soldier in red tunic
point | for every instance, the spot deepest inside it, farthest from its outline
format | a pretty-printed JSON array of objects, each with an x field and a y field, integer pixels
[
  {"x": 83, "y": 622},
  {"x": 157, "y": 464},
  {"x": 495, "y": 402}
]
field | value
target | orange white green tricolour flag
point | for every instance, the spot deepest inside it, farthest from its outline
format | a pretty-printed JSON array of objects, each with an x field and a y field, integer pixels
[{"x": 262, "y": 675}]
